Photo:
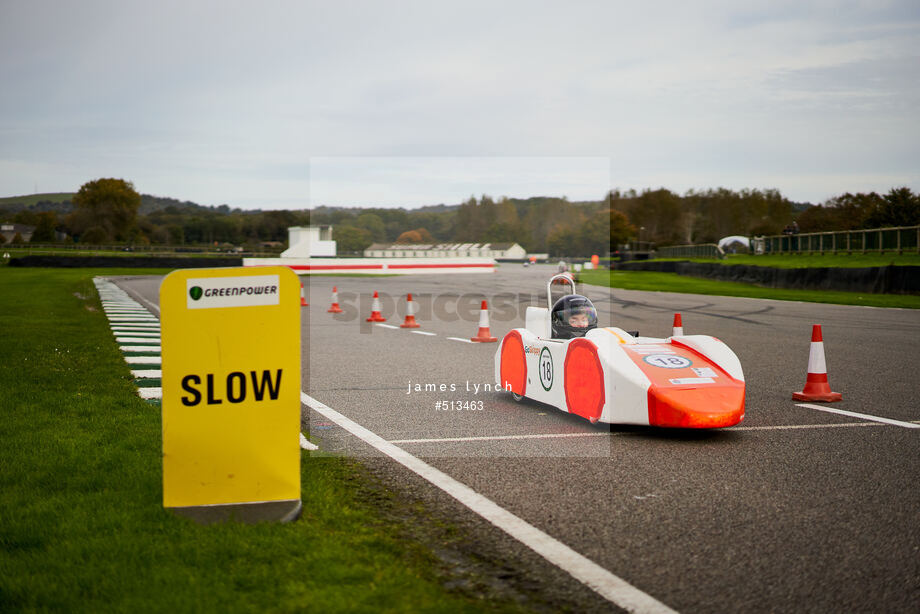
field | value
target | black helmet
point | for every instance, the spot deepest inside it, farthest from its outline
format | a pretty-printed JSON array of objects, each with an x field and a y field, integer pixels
[{"x": 573, "y": 306}]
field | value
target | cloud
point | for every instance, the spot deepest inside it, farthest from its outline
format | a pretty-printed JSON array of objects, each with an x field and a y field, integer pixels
[
  {"x": 211, "y": 100},
  {"x": 415, "y": 181}
]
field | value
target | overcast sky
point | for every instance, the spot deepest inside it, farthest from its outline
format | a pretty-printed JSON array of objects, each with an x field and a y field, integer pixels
[{"x": 297, "y": 104}]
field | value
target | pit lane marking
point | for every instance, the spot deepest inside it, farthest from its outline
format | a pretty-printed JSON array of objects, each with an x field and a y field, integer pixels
[
  {"x": 782, "y": 427},
  {"x": 501, "y": 437},
  {"x": 460, "y": 339},
  {"x": 586, "y": 571},
  {"x": 417, "y": 332},
  {"x": 853, "y": 414}
]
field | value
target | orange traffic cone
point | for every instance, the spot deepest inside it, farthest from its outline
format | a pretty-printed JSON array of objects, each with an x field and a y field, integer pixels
[
  {"x": 335, "y": 301},
  {"x": 816, "y": 386},
  {"x": 484, "y": 335},
  {"x": 375, "y": 310},
  {"x": 303, "y": 298},
  {"x": 410, "y": 314},
  {"x": 677, "y": 329}
]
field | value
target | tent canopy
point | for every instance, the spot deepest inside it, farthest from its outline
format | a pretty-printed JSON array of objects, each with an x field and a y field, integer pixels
[{"x": 734, "y": 239}]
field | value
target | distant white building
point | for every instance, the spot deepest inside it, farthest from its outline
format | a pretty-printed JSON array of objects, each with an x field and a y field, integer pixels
[
  {"x": 10, "y": 230},
  {"x": 309, "y": 241},
  {"x": 499, "y": 251}
]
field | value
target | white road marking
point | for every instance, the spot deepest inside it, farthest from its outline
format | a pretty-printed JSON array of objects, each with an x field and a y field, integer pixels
[
  {"x": 137, "y": 339},
  {"x": 139, "y": 348},
  {"x": 792, "y": 427},
  {"x": 422, "y": 332},
  {"x": 502, "y": 437},
  {"x": 306, "y": 444},
  {"x": 853, "y": 414},
  {"x": 150, "y": 393},
  {"x": 147, "y": 373},
  {"x": 154, "y": 308},
  {"x": 460, "y": 339},
  {"x": 782, "y": 427},
  {"x": 137, "y": 333},
  {"x": 142, "y": 360},
  {"x": 147, "y": 319},
  {"x": 592, "y": 575},
  {"x": 386, "y": 325}
]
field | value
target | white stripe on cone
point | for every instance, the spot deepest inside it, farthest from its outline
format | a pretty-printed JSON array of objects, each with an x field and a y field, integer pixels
[
  {"x": 334, "y": 308},
  {"x": 816, "y": 386},
  {"x": 677, "y": 329},
  {"x": 816, "y": 363},
  {"x": 376, "y": 316},
  {"x": 484, "y": 335}
]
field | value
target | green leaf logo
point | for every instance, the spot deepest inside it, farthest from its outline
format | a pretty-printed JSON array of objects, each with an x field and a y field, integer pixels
[{"x": 195, "y": 293}]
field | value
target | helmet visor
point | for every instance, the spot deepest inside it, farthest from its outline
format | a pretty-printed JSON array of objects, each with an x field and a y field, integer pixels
[{"x": 579, "y": 316}]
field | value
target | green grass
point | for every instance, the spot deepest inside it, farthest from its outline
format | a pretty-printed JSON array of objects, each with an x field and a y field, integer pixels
[
  {"x": 797, "y": 261},
  {"x": 82, "y": 527},
  {"x": 672, "y": 282}
]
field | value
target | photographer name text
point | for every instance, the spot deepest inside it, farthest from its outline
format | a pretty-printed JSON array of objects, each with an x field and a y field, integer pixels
[{"x": 468, "y": 386}]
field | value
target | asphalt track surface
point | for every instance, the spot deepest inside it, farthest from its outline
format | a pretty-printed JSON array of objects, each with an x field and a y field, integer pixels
[{"x": 793, "y": 510}]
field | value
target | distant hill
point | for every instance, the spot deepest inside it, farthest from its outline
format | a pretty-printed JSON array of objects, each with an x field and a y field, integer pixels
[
  {"x": 62, "y": 203},
  {"x": 356, "y": 210},
  {"x": 52, "y": 201},
  {"x": 149, "y": 204}
]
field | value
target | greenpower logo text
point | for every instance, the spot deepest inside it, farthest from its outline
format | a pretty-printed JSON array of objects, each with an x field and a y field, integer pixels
[{"x": 235, "y": 291}]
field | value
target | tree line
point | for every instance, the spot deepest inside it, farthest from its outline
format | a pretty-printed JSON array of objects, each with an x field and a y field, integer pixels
[
  {"x": 539, "y": 224},
  {"x": 899, "y": 207},
  {"x": 110, "y": 210}
]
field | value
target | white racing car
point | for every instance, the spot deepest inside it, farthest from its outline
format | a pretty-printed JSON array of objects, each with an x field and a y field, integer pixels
[{"x": 609, "y": 375}]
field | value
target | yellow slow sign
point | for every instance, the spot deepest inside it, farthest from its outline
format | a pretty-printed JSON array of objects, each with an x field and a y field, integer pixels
[{"x": 231, "y": 386}]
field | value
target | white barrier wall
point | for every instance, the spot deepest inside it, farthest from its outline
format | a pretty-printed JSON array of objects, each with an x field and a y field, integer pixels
[{"x": 379, "y": 266}]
